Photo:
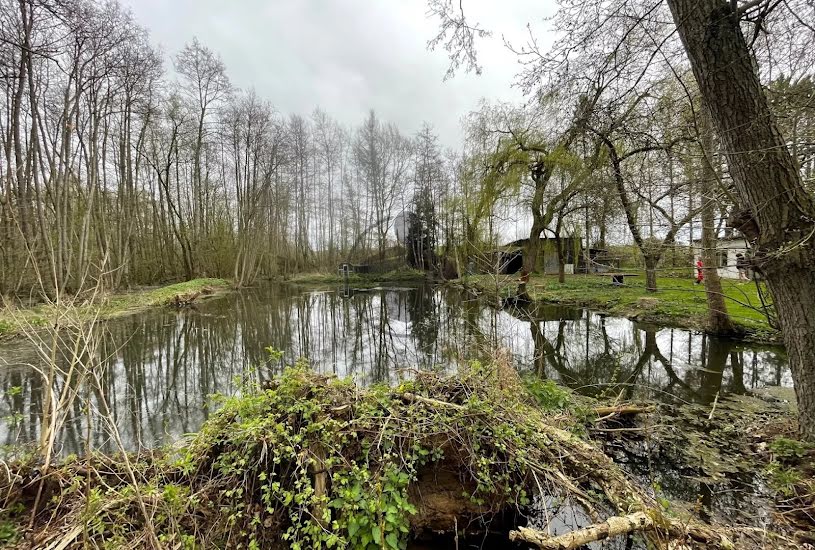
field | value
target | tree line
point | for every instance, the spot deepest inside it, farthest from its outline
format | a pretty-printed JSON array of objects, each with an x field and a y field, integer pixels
[{"x": 116, "y": 170}]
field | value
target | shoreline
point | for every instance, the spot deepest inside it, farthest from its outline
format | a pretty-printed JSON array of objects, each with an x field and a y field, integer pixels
[
  {"x": 356, "y": 279},
  {"x": 15, "y": 321},
  {"x": 676, "y": 304},
  {"x": 673, "y": 305}
]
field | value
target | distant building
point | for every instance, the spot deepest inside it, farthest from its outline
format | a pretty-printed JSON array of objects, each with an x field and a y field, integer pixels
[
  {"x": 510, "y": 257},
  {"x": 726, "y": 250}
]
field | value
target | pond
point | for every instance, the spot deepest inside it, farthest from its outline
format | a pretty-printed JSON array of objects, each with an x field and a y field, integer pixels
[{"x": 160, "y": 369}]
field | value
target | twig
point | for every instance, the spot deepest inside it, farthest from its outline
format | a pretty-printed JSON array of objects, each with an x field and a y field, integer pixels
[{"x": 715, "y": 400}]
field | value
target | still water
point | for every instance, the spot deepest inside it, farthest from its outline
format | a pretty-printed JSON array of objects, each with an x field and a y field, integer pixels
[{"x": 159, "y": 369}]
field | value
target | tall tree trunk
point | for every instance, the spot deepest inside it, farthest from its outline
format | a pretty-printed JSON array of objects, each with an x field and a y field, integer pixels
[
  {"x": 718, "y": 318},
  {"x": 561, "y": 261},
  {"x": 561, "y": 256},
  {"x": 778, "y": 212},
  {"x": 631, "y": 217},
  {"x": 541, "y": 177},
  {"x": 530, "y": 257},
  {"x": 651, "y": 262}
]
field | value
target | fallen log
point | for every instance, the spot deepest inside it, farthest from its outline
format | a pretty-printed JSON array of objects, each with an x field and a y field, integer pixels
[
  {"x": 623, "y": 409},
  {"x": 613, "y": 527},
  {"x": 617, "y": 526}
]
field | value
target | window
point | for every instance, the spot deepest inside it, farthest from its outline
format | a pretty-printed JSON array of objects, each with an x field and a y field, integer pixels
[{"x": 721, "y": 258}]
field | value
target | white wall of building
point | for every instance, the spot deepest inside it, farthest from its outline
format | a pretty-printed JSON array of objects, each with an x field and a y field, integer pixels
[{"x": 726, "y": 251}]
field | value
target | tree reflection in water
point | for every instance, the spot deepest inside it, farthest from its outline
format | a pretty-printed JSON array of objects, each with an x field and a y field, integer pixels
[
  {"x": 603, "y": 356},
  {"x": 161, "y": 367}
]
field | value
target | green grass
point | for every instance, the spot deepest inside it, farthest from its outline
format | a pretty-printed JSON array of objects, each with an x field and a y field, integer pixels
[
  {"x": 14, "y": 320},
  {"x": 159, "y": 296},
  {"x": 677, "y": 302},
  {"x": 318, "y": 278}
]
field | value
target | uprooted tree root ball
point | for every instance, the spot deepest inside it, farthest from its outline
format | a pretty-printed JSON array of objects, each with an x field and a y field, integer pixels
[{"x": 314, "y": 462}]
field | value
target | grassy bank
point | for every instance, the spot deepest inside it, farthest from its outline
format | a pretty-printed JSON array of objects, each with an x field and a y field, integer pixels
[
  {"x": 310, "y": 461},
  {"x": 14, "y": 320},
  {"x": 678, "y": 302},
  {"x": 357, "y": 279}
]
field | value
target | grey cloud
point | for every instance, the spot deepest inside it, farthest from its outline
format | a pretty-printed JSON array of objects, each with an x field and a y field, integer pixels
[{"x": 345, "y": 56}]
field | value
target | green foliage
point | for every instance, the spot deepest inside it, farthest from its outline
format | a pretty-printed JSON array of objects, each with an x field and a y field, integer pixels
[
  {"x": 782, "y": 472},
  {"x": 266, "y": 448},
  {"x": 373, "y": 514},
  {"x": 274, "y": 353},
  {"x": 315, "y": 462},
  {"x": 8, "y": 532},
  {"x": 548, "y": 394},
  {"x": 783, "y": 479},
  {"x": 788, "y": 449},
  {"x": 278, "y": 439}
]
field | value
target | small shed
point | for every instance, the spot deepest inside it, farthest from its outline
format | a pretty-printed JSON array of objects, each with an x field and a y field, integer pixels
[
  {"x": 726, "y": 250},
  {"x": 509, "y": 258}
]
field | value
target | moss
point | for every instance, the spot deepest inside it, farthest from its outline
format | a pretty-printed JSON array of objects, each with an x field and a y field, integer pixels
[
  {"x": 15, "y": 320},
  {"x": 116, "y": 304}
]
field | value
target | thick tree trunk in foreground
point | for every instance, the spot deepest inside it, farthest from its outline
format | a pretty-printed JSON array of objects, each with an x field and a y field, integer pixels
[{"x": 778, "y": 214}]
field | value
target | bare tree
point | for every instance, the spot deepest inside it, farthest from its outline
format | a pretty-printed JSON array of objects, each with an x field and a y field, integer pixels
[
  {"x": 204, "y": 84},
  {"x": 381, "y": 156}
]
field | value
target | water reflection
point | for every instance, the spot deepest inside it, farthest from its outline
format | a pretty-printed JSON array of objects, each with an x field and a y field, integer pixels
[
  {"x": 605, "y": 356},
  {"x": 159, "y": 369}
]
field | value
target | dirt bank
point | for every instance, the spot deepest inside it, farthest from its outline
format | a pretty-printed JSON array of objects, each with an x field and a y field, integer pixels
[{"x": 93, "y": 305}]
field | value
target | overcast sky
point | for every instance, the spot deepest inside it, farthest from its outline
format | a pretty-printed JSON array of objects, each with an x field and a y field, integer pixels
[{"x": 348, "y": 56}]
